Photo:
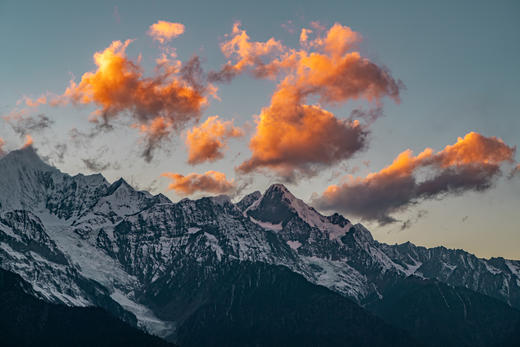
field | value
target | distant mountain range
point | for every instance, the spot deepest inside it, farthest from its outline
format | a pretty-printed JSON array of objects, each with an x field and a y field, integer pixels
[{"x": 268, "y": 270}]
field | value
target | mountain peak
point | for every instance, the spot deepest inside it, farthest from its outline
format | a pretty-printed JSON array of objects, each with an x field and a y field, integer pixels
[
  {"x": 117, "y": 184},
  {"x": 361, "y": 233},
  {"x": 278, "y": 192},
  {"x": 278, "y": 188},
  {"x": 26, "y": 157},
  {"x": 248, "y": 200}
]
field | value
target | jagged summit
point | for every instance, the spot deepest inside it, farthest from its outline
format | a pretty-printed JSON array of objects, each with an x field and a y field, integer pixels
[
  {"x": 120, "y": 183},
  {"x": 274, "y": 206},
  {"x": 278, "y": 206},
  {"x": 26, "y": 157},
  {"x": 278, "y": 189},
  {"x": 248, "y": 200}
]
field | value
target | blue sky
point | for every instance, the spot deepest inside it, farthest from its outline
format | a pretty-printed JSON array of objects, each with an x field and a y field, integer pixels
[{"x": 458, "y": 61}]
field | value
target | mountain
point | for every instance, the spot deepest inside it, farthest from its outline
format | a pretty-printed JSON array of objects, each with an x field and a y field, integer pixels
[
  {"x": 28, "y": 321},
  {"x": 81, "y": 241},
  {"x": 442, "y": 315},
  {"x": 258, "y": 304}
]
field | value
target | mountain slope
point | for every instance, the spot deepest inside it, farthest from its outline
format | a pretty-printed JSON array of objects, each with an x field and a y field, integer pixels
[
  {"x": 442, "y": 315},
  {"x": 28, "y": 321},
  {"x": 255, "y": 304}
]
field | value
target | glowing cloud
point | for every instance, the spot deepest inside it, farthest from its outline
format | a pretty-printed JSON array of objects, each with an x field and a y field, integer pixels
[
  {"x": 2, "y": 144},
  {"x": 292, "y": 138},
  {"x": 210, "y": 182},
  {"x": 160, "y": 104},
  {"x": 245, "y": 53},
  {"x": 28, "y": 141},
  {"x": 207, "y": 141},
  {"x": 472, "y": 163},
  {"x": 42, "y": 100},
  {"x": 163, "y": 31}
]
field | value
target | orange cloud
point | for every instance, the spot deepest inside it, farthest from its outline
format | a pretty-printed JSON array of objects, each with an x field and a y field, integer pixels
[
  {"x": 247, "y": 53},
  {"x": 160, "y": 104},
  {"x": 163, "y": 31},
  {"x": 28, "y": 141},
  {"x": 472, "y": 163},
  {"x": 211, "y": 182},
  {"x": 118, "y": 85},
  {"x": 475, "y": 148},
  {"x": 304, "y": 35},
  {"x": 244, "y": 53},
  {"x": 207, "y": 141},
  {"x": 2, "y": 144},
  {"x": 294, "y": 138},
  {"x": 42, "y": 100}
]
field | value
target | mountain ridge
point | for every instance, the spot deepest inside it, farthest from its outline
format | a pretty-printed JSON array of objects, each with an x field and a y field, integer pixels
[{"x": 129, "y": 245}]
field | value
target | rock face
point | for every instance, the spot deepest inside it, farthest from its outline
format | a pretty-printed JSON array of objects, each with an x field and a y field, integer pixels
[{"x": 79, "y": 240}]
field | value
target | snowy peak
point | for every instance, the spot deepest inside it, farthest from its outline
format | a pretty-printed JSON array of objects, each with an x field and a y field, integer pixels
[
  {"x": 361, "y": 234},
  {"x": 120, "y": 184},
  {"x": 22, "y": 178},
  {"x": 25, "y": 157},
  {"x": 278, "y": 206},
  {"x": 248, "y": 200},
  {"x": 338, "y": 219},
  {"x": 279, "y": 191},
  {"x": 275, "y": 206}
]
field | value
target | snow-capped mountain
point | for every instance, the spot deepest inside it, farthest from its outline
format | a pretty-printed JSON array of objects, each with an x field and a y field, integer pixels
[{"x": 79, "y": 240}]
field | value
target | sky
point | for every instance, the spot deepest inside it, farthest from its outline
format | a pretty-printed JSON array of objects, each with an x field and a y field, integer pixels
[{"x": 401, "y": 115}]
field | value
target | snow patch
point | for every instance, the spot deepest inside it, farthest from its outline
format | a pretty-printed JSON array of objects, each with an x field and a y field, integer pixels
[
  {"x": 294, "y": 244},
  {"x": 146, "y": 318},
  {"x": 193, "y": 230},
  {"x": 267, "y": 225},
  {"x": 490, "y": 268}
]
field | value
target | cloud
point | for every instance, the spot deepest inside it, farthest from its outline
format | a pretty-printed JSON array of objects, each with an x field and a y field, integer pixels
[
  {"x": 245, "y": 54},
  {"x": 59, "y": 151},
  {"x": 164, "y": 31},
  {"x": 22, "y": 126},
  {"x": 294, "y": 138},
  {"x": 210, "y": 182},
  {"x": 207, "y": 141},
  {"x": 471, "y": 164},
  {"x": 2, "y": 144},
  {"x": 118, "y": 85},
  {"x": 42, "y": 100},
  {"x": 95, "y": 165},
  {"x": 515, "y": 171},
  {"x": 79, "y": 138},
  {"x": 158, "y": 105},
  {"x": 410, "y": 221},
  {"x": 116, "y": 15},
  {"x": 28, "y": 141}
]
